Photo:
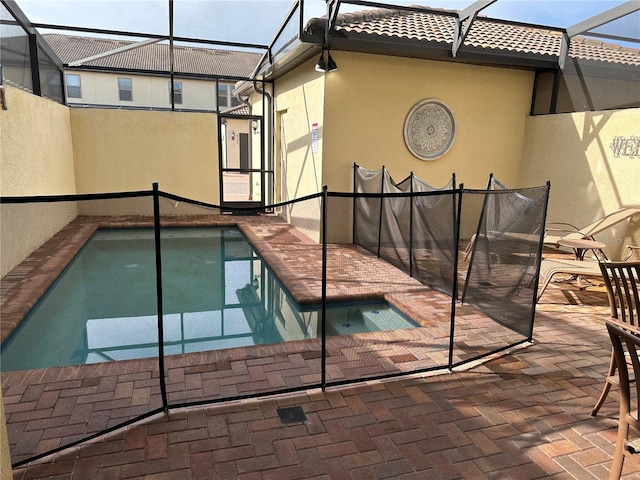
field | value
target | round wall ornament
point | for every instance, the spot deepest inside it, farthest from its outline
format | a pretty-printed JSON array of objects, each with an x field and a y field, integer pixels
[{"x": 429, "y": 129}]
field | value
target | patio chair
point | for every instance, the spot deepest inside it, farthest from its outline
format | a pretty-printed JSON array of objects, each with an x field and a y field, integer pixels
[
  {"x": 556, "y": 230},
  {"x": 625, "y": 343},
  {"x": 621, "y": 280},
  {"x": 549, "y": 267}
]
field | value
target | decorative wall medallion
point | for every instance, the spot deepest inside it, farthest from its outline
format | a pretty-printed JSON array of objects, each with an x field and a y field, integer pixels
[{"x": 429, "y": 129}]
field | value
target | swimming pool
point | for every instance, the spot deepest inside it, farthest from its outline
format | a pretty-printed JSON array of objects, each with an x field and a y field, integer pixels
[{"x": 217, "y": 293}]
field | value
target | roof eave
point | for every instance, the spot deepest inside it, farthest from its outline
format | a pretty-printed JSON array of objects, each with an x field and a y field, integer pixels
[
  {"x": 430, "y": 50},
  {"x": 283, "y": 62}
]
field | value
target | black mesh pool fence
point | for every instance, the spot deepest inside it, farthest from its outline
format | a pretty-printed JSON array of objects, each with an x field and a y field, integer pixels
[{"x": 326, "y": 290}]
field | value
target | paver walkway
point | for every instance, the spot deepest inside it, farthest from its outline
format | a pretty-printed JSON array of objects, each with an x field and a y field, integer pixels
[{"x": 525, "y": 415}]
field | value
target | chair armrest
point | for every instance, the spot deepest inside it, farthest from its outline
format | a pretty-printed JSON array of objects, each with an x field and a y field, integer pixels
[
  {"x": 568, "y": 227},
  {"x": 560, "y": 227},
  {"x": 632, "y": 249}
]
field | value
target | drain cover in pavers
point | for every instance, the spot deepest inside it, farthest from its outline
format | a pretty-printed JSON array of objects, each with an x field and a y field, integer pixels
[{"x": 291, "y": 415}]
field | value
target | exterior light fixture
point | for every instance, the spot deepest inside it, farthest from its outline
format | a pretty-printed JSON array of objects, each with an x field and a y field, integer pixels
[{"x": 328, "y": 66}]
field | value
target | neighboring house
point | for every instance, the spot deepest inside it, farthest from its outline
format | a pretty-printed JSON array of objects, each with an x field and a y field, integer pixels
[{"x": 138, "y": 77}]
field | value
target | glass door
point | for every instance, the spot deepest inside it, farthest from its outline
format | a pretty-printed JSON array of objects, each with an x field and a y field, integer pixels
[{"x": 243, "y": 173}]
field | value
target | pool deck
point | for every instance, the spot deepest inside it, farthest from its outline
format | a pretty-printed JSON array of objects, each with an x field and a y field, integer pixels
[{"x": 525, "y": 414}]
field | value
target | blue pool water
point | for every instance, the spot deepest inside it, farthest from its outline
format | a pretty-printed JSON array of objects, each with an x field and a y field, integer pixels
[{"x": 217, "y": 293}]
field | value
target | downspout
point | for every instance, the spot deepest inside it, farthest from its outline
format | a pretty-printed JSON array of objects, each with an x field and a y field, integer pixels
[
  {"x": 270, "y": 122},
  {"x": 171, "y": 58}
]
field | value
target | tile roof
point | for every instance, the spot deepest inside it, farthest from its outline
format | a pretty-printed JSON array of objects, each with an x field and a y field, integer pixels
[
  {"x": 485, "y": 33},
  {"x": 153, "y": 57}
]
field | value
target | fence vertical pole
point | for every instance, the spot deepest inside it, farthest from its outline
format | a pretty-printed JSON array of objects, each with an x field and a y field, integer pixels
[
  {"x": 323, "y": 379},
  {"x": 454, "y": 292},
  {"x": 411, "y": 227},
  {"x": 355, "y": 188},
  {"x": 156, "y": 224},
  {"x": 380, "y": 219},
  {"x": 536, "y": 277}
]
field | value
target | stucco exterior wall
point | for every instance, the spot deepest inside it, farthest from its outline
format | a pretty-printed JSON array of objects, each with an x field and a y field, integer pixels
[
  {"x": 590, "y": 177},
  {"x": 299, "y": 104},
  {"x": 35, "y": 146},
  {"x": 118, "y": 150},
  {"x": 367, "y": 101},
  {"x": 36, "y": 158}
]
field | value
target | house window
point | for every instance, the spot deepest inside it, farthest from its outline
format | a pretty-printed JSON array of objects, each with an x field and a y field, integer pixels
[
  {"x": 177, "y": 92},
  {"x": 223, "y": 94},
  {"x": 53, "y": 89},
  {"x": 74, "y": 87},
  {"x": 225, "y": 98},
  {"x": 125, "y": 89}
]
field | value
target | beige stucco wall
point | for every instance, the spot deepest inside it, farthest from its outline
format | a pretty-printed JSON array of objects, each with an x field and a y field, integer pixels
[
  {"x": 36, "y": 147},
  {"x": 117, "y": 150},
  {"x": 299, "y": 104},
  {"x": 574, "y": 151},
  {"x": 36, "y": 158},
  {"x": 369, "y": 96}
]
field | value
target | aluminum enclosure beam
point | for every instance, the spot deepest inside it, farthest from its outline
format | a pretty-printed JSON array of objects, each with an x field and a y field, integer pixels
[
  {"x": 596, "y": 21},
  {"x": 604, "y": 17},
  {"x": 469, "y": 14},
  {"x": 115, "y": 51}
]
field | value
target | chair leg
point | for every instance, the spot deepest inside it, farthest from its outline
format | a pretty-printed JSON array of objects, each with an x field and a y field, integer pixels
[
  {"x": 618, "y": 457},
  {"x": 607, "y": 387},
  {"x": 603, "y": 396}
]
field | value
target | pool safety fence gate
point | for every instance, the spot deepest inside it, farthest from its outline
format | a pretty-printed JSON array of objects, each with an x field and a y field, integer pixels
[{"x": 326, "y": 290}]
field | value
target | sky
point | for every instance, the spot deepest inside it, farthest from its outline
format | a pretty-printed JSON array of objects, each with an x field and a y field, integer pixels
[{"x": 257, "y": 21}]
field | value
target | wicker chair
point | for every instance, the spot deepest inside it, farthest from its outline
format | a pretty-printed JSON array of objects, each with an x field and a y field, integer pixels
[
  {"x": 625, "y": 340},
  {"x": 621, "y": 280}
]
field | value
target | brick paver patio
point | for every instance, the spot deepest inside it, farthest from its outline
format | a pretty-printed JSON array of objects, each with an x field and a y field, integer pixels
[{"x": 524, "y": 414}]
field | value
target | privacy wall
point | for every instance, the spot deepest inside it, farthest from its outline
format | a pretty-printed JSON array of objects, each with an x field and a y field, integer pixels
[
  {"x": 122, "y": 150},
  {"x": 593, "y": 162},
  {"x": 36, "y": 158}
]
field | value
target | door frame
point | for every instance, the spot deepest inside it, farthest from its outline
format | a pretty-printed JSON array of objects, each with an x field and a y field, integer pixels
[{"x": 264, "y": 172}]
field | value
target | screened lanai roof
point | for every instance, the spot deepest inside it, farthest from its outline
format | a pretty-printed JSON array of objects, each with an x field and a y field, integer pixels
[
  {"x": 86, "y": 51},
  {"x": 272, "y": 26},
  {"x": 537, "y": 35}
]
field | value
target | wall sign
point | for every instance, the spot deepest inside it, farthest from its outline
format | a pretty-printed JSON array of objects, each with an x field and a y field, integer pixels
[
  {"x": 625, "y": 147},
  {"x": 429, "y": 129},
  {"x": 314, "y": 138}
]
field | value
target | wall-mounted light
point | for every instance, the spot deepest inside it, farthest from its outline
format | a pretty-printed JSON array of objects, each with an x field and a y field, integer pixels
[
  {"x": 254, "y": 126},
  {"x": 326, "y": 66},
  {"x": 233, "y": 135}
]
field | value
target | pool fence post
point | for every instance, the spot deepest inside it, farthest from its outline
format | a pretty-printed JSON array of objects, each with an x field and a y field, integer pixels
[
  {"x": 355, "y": 191},
  {"x": 454, "y": 292},
  {"x": 381, "y": 207},
  {"x": 323, "y": 366},
  {"x": 156, "y": 224},
  {"x": 411, "y": 226}
]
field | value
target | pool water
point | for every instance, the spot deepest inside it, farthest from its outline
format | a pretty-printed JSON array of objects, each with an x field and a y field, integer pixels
[{"x": 217, "y": 293}]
